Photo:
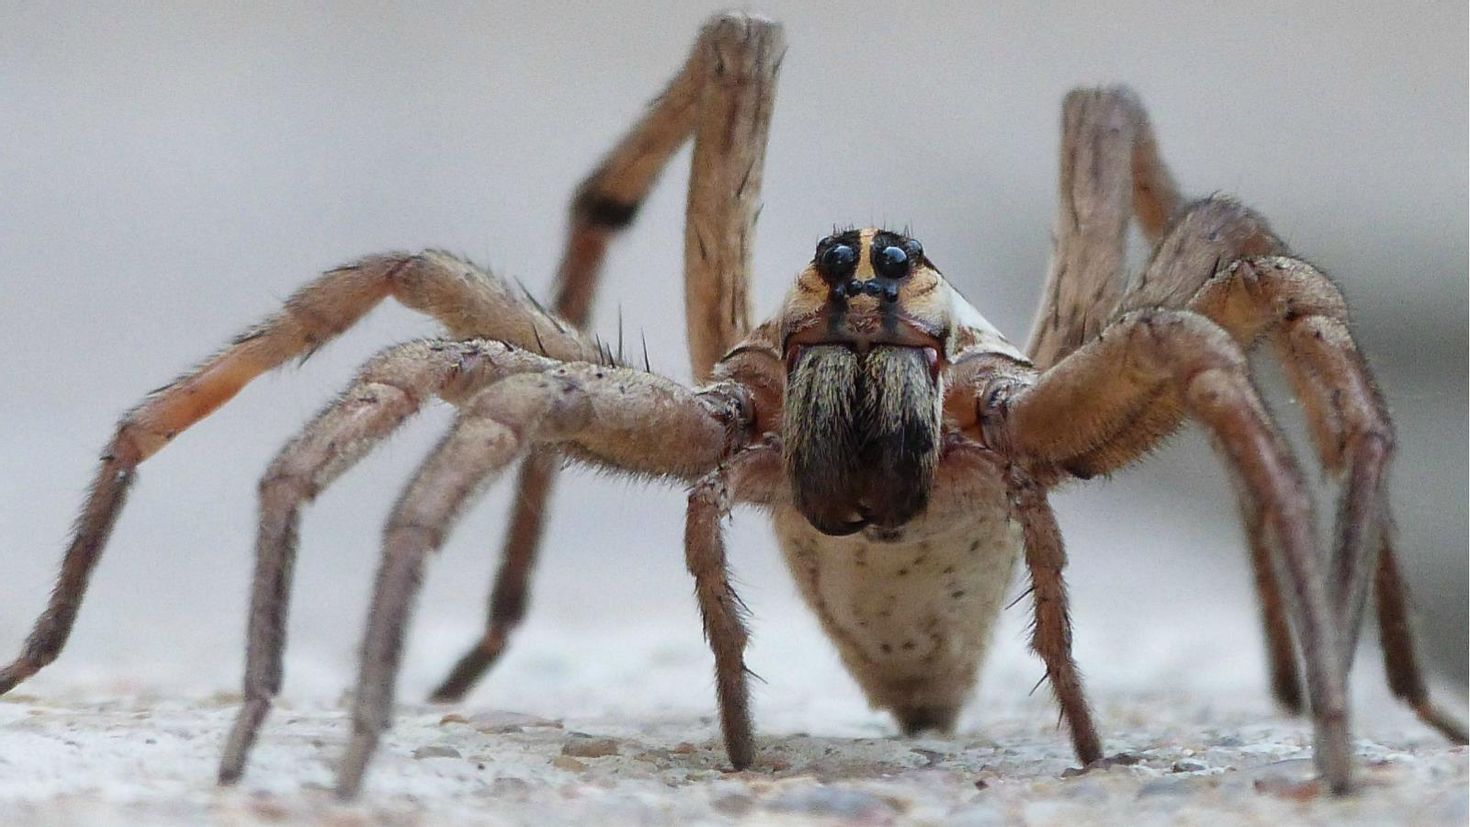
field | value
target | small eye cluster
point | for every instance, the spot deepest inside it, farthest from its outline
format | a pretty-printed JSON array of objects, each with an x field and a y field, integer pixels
[{"x": 893, "y": 257}]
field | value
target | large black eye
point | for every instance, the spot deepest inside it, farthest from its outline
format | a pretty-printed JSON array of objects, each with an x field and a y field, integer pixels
[
  {"x": 837, "y": 261},
  {"x": 891, "y": 262},
  {"x": 914, "y": 249}
]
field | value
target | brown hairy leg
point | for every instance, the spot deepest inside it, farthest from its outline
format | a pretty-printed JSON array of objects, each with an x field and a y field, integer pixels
[
  {"x": 1221, "y": 259},
  {"x": 1110, "y": 171},
  {"x": 508, "y": 595},
  {"x": 757, "y": 468},
  {"x": 1405, "y": 677},
  {"x": 1051, "y": 631},
  {"x": 393, "y": 387},
  {"x": 390, "y": 388},
  {"x": 1186, "y": 355},
  {"x": 461, "y": 297},
  {"x": 617, "y": 417},
  {"x": 722, "y": 96},
  {"x": 1262, "y": 294},
  {"x": 1281, "y": 657}
]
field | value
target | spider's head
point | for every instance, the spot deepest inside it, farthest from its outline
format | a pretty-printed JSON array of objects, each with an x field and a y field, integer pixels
[{"x": 864, "y": 334}]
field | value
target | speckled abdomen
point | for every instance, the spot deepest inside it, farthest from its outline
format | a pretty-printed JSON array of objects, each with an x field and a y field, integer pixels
[{"x": 911, "y": 616}]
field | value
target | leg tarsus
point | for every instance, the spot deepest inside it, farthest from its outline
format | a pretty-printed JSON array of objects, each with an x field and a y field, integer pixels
[
  {"x": 710, "y": 502},
  {"x": 105, "y": 500},
  {"x": 721, "y": 610},
  {"x": 1118, "y": 759},
  {"x": 518, "y": 558},
  {"x": 1281, "y": 656},
  {"x": 354, "y": 763},
  {"x": 1051, "y": 634},
  {"x": 281, "y": 495},
  {"x": 242, "y": 738},
  {"x": 468, "y": 670},
  {"x": 1442, "y": 722},
  {"x": 1400, "y": 661},
  {"x": 406, "y": 545}
]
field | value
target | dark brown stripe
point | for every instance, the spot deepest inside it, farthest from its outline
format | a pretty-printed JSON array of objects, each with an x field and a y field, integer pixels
[{"x": 602, "y": 211}]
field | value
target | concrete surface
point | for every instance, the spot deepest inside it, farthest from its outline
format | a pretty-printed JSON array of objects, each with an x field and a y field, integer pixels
[{"x": 610, "y": 730}]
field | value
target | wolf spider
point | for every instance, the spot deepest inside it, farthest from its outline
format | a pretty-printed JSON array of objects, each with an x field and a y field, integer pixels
[{"x": 903, "y": 448}]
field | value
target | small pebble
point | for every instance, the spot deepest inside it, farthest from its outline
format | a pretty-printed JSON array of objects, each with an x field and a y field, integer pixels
[
  {"x": 930, "y": 756},
  {"x": 1188, "y": 766},
  {"x": 568, "y": 763},
  {"x": 436, "y": 751},
  {"x": 498, "y": 722},
  {"x": 585, "y": 746},
  {"x": 1294, "y": 779}
]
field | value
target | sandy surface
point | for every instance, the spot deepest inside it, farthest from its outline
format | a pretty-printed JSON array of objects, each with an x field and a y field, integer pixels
[{"x": 643, "y": 748}]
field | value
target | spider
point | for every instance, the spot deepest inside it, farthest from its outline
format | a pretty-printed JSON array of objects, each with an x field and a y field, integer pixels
[{"x": 902, "y": 447}]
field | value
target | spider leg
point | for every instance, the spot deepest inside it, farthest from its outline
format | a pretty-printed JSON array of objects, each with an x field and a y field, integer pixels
[
  {"x": 1286, "y": 685},
  {"x": 722, "y": 96},
  {"x": 1405, "y": 678},
  {"x": 742, "y": 56},
  {"x": 1051, "y": 632},
  {"x": 1143, "y": 357},
  {"x": 621, "y": 418},
  {"x": 388, "y": 390},
  {"x": 1206, "y": 234},
  {"x": 1305, "y": 317},
  {"x": 1222, "y": 260},
  {"x": 710, "y": 502},
  {"x": 508, "y": 595},
  {"x": 460, "y": 296},
  {"x": 1110, "y": 170}
]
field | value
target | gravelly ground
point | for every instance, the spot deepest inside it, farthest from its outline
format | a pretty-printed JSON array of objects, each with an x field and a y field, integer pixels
[{"x": 131, "y": 759}]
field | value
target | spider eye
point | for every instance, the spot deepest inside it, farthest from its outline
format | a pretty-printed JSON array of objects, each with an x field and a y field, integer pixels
[
  {"x": 837, "y": 261},
  {"x": 891, "y": 262},
  {"x": 914, "y": 249}
]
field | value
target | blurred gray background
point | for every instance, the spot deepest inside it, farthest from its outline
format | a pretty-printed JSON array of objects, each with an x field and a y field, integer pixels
[{"x": 170, "y": 172}]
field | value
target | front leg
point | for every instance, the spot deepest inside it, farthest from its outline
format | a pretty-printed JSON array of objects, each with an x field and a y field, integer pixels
[
  {"x": 756, "y": 468},
  {"x": 1051, "y": 627},
  {"x": 1153, "y": 358},
  {"x": 618, "y": 418}
]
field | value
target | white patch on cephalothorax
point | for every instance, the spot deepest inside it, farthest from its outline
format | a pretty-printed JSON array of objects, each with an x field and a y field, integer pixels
[{"x": 965, "y": 315}]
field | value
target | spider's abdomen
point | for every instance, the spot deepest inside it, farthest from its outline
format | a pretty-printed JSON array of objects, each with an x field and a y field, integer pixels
[{"x": 911, "y": 617}]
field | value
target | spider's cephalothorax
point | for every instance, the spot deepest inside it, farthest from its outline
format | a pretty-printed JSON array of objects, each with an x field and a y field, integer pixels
[
  {"x": 863, "y": 336},
  {"x": 877, "y": 404}
]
